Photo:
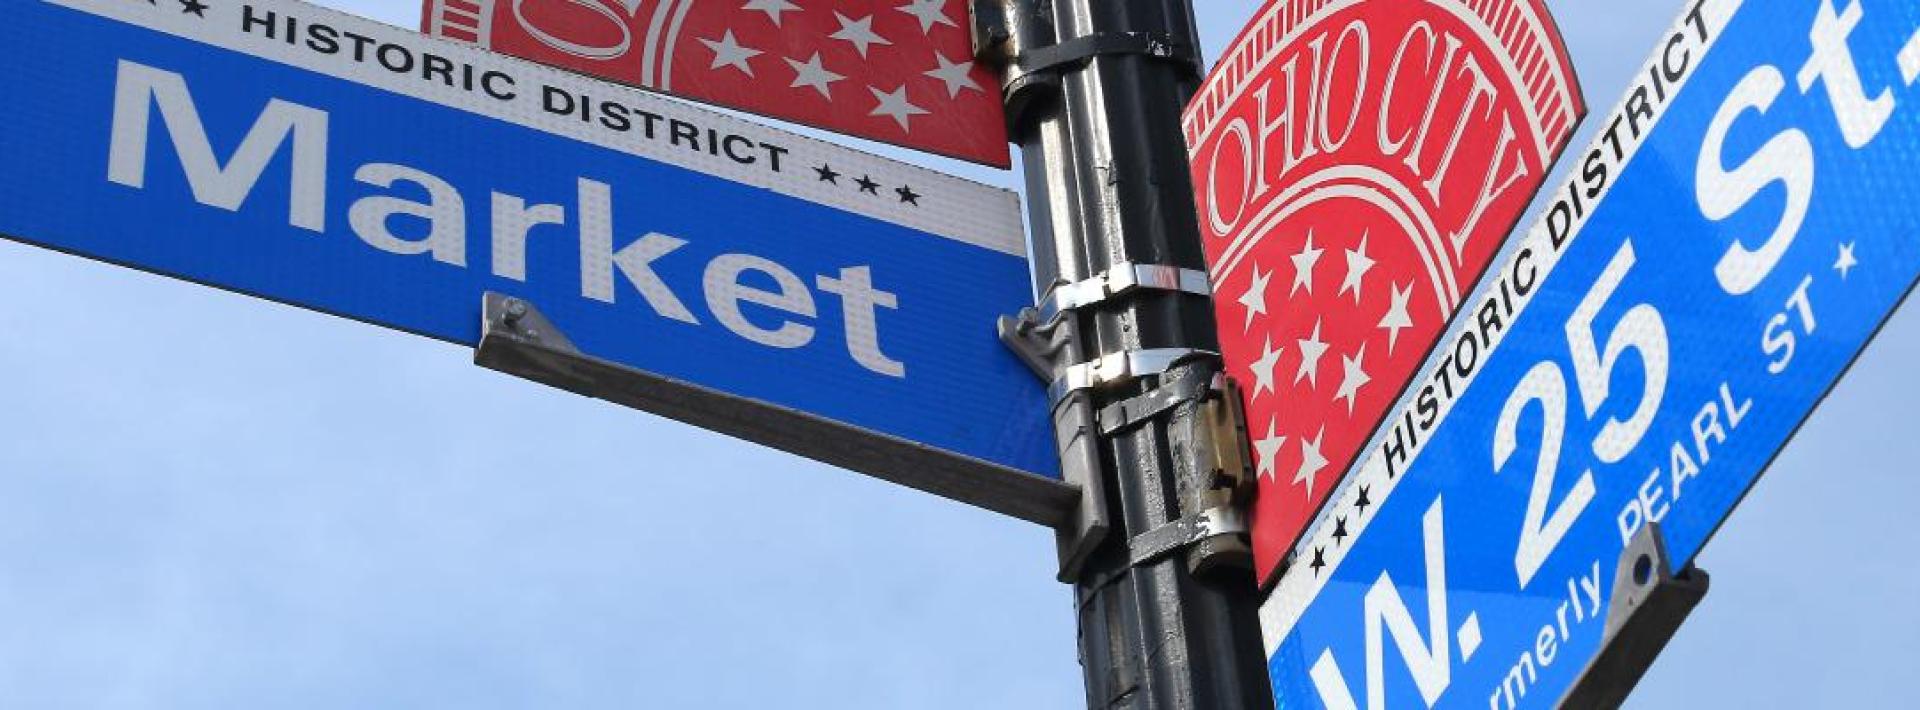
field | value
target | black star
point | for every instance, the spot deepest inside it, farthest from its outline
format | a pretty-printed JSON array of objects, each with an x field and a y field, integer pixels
[
  {"x": 1340, "y": 530},
  {"x": 193, "y": 7},
  {"x": 908, "y": 196},
  {"x": 1319, "y": 560},
  {"x": 867, "y": 185},
  {"x": 1363, "y": 502},
  {"x": 827, "y": 174}
]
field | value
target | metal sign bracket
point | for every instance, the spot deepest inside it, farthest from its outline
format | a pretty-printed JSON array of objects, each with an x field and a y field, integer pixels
[
  {"x": 1209, "y": 445},
  {"x": 517, "y": 339},
  {"x": 1208, "y": 441},
  {"x": 1046, "y": 347},
  {"x": 1647, "y": 606}
]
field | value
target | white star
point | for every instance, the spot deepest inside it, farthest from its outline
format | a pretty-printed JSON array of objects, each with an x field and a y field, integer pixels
[
  {"x": 1310, "y": 351},
  {"x": 929, "y": 12},
  {"x": 812, "y": 73},
  {"x": 1397, "y": 318},
  {"x": 858, "y": 32},
  {"x": 1255, "y": 299},
  {"x": 1353, "y": 377},
  {"x": 895, "y": 104},
  {"x": 1303, "y": 264},
  {"x": 1358, "y": 264},
  {"x": 1311, "y": 461},
  {"x": 727, "y": 52},
  {"x": 1263, "y": 368},
  {"x": 773, "y": 8},
  {"x": 1269, "y": 450},
  {"x": 957, "y": 75},
  {"x": 1846, "y": 261}
]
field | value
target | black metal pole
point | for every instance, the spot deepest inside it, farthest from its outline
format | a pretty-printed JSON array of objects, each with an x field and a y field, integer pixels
[{"x": 1095, "y": 91}]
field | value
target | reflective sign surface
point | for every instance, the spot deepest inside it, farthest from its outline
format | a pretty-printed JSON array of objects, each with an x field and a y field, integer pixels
[
  {"x": 1357, "y": 164},
  {"x": 900, "y": 72},
  {"x": 1739, "y": 231},
  {"x": 334, "y": 163}
]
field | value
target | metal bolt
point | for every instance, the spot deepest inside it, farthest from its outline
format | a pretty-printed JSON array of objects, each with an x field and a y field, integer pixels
[{"x": 516, "y": 309}]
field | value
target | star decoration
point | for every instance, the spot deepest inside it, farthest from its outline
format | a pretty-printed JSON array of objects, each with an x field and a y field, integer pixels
[
  {"x": 1358, "y": 264},
  {"x": 1255, "y": 299},
  {"x": 773, "y": 8},
  {"x": 727, "y": 52},
  {"x": 858, "y": 33},
  {"x": 1353, "y": 376},
  {"x": 929, "y": 13},
  {"x": 827, "y": 174},
  {"x": 908, "y": 196},
  {"x": 958, "y": 76},
  {"x": 1340, "y": 530},
  {"x": 1263, "y": 369},
  {"x": 1311, "y": 462},
  {"x": 1303, "y": 264},
  {"x": 193, "y": 7},
  {"x": 1362, "y": 503},
  {"x": 1311, "y": 350},
  {"x": 1269, "y": 449},
  {"x": 1846, "y": 262},
  {"x": 1397, "y": 318},
  {"x": 867, "y": 185},
  {"x": 1319, "y": 560},
  {"x": 894, "y": 103},
  {"x": 813, "y": 73}
]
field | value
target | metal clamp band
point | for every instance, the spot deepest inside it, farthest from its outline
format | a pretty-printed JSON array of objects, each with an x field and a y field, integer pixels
[
  {"x": 1152, "y": 545},
  {"x": 1120, "y": 368},
  {"x": 1122, "y": 279},
  {"x": 1080, "y": 49}
]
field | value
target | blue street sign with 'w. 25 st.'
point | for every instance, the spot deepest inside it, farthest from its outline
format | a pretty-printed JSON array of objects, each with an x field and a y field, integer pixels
[
  {"x": 1744, "y": 224},
  {"x": 753, "y": 281}
]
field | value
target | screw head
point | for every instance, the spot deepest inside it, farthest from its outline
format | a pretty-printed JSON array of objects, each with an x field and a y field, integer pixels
[{"x": 516, "y": 309}]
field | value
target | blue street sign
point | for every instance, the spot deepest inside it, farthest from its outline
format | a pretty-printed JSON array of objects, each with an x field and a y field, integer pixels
[
  {"x": 309, "y": 157},
  {"x": 1742, "y": 227}
]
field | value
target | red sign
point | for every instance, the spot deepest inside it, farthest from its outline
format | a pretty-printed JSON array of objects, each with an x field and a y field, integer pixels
[
  {"x": 897, "y": 71},
  {"x": 1357, "y": 164}
]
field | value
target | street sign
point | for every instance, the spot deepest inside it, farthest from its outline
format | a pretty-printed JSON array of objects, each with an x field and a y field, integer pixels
[
  {"x": 325, "y": 161},
  {"x": 1741, "y": 228},
  {"x": 900, "y": 72},
  {"x": 1357, "y": 164}
]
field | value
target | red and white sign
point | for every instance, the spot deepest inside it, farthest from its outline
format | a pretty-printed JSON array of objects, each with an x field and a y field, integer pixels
[
  {"x": 897, "y": 71},
  {"x": 1358, "y": 163}
]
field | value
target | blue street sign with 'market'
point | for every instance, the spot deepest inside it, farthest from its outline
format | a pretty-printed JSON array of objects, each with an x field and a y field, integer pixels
[
  {"x": 1744, "y": 224},
  {"x": 309, "y": 157}
]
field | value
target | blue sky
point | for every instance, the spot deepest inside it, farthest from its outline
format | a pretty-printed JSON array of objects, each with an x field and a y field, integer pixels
[{"x": 212, "y": 502}]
